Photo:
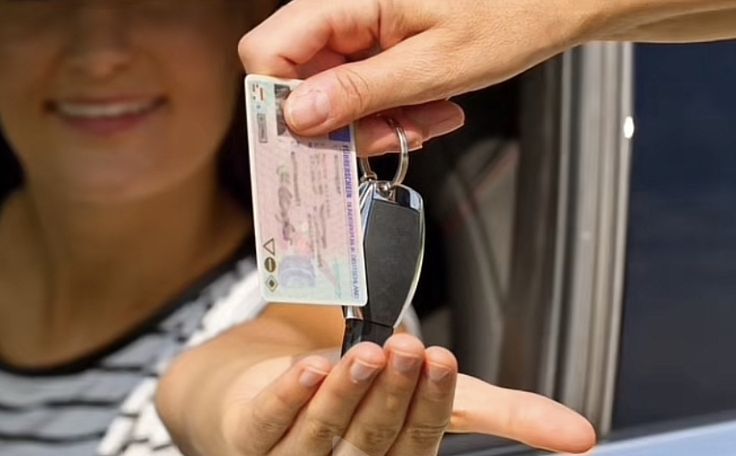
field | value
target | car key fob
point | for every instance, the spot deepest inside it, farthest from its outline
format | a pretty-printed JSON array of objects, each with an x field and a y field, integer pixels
[{"x": 393, "y": 241}]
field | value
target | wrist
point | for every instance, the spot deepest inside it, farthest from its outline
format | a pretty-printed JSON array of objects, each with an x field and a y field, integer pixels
[
  {"x": 593, "y": 20},
  {"x": 236, "y": 394},
  {"x": 618, "y": 19},
  {"x": 575, "y": 22}
]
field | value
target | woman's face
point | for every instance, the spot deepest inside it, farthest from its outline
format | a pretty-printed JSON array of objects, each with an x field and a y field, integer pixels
[{"x": 119, "y": 98}]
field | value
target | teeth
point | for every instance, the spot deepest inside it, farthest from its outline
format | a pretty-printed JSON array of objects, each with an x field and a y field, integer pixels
[{"x": 105, "y": 111}]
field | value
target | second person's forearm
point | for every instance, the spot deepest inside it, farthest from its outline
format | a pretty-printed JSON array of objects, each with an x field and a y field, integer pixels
[
  {"x": 696, "y": 27},
  {"x": 664, "y": 20}
]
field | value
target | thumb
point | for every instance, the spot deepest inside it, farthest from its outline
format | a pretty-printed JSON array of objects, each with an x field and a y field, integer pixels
[
  {"x": 518, "y": 415},
  {"x": 410, "y": 73}
]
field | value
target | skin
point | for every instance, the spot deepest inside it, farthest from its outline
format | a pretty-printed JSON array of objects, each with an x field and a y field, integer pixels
[
  {"x": 267, "y": 409},
  {"x": 110, "y": 226},
  {"x": 71, "y": 239},
  {"x": 431, "y": 50}
]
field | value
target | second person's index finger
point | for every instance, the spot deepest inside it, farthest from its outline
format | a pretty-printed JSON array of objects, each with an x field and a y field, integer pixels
[
  {"x": 301, "y": 30},
  {"x": 358, "y": 58}
]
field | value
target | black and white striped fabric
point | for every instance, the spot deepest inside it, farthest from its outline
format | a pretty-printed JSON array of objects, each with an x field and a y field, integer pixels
[{"x": 106, "y": 408}]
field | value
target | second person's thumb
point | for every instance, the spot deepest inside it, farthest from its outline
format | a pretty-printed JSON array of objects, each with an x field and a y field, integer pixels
[{"x": 329, "y": 100}]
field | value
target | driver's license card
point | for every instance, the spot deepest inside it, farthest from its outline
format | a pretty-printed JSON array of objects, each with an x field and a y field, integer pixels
[{"x": 305, "y": 200}]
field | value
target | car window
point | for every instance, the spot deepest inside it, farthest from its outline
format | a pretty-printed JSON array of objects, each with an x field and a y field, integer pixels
[{"x": 679, "y": 313}]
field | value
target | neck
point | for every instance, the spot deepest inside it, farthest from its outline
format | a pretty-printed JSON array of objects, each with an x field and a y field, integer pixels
[{"x": 101, "y": 265}]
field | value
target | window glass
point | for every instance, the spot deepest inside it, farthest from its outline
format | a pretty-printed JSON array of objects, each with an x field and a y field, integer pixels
[{"x": 679, "y": 313}]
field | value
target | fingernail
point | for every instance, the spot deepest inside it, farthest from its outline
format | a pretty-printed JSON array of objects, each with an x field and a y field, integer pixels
[
  {"x": 415, "y": 143},
  {"x": 404, "y": 363},
  {"x": 361, "y": 372},
  {"x": 310, "y": 378},
  {"x": 445, "y": 126},
  {"x": 437, "y": 373},
  {"x": 306, "y": 110}
]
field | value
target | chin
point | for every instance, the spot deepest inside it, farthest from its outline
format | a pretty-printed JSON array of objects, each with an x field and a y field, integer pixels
[
  {"x": 126, "y": 183},
  {"x": 121, "y": 169}
]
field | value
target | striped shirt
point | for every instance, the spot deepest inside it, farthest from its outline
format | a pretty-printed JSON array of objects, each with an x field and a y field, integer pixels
[{"x": 106, "y": 407}]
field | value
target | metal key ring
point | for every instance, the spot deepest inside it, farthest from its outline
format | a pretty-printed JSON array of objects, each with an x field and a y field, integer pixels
[{"x": 401, "y": 171}]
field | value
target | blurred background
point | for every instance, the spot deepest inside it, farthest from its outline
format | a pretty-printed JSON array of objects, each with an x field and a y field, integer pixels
[{"x": 582, "y": 240}]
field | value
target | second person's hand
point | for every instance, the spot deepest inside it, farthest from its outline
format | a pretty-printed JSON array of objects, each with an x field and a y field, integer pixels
[
  {"x": 362, "y": 57},
  {"x": 369, "y": 56}
]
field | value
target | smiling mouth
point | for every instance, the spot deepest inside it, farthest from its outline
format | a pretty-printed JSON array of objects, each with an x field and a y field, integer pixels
[
  {"x": 105, "y": 116},
  {"x": 104, "y": 109}
]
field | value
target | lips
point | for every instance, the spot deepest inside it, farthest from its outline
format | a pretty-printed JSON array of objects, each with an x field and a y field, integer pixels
[
  {"x": 105, "y": 116},
  {"x": 105, "y": 110}
]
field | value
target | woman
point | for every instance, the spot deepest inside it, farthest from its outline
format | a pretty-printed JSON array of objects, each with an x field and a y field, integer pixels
[{"x": 125, "y": 237}]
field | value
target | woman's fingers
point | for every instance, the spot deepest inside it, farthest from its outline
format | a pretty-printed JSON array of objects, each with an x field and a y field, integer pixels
[
  {"x": 328, "y": 414},
  {"x": 529, "y": 418},
  {"x": 380, "y": 417},
  {"x": 394, "y": 401},
  {"x": 421, "y": 123},
  {"x": 429, "y": 415},
  {"x": 260, "y": 424}
]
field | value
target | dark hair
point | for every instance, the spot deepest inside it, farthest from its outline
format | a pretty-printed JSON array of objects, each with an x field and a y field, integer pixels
[
  {"x": 232, "y": 162},
  {"x": 11, "y": 175}
]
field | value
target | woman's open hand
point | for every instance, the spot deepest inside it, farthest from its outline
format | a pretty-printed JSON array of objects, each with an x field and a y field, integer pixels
[{"x": 392, "y": 401}]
